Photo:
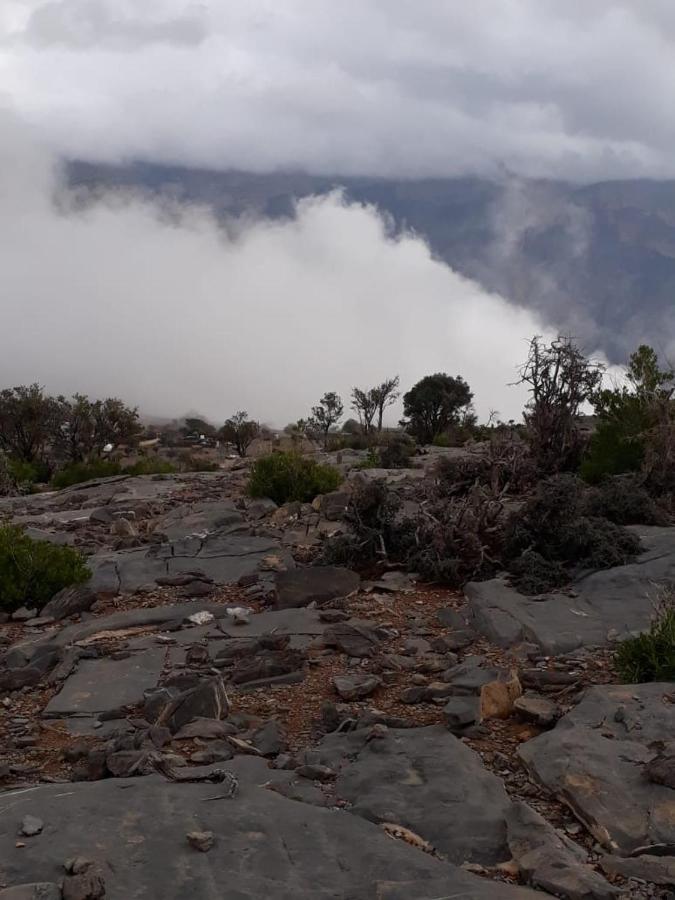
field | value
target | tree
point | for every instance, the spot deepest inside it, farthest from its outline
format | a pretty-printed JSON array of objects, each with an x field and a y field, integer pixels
[
  {"x": 365, "y": 404},
  {"x": 560, "y": 379},
  {"x": 240, "y": 431},
  {"x": 637, "y": 424},
  {"x": 385, "y": 395},
  {"x": 87, "y": 426},
  {"x": 197, "y": 425},
  {"x": 435, "y": 403},
  {"x": 327, "y": 413},
  {"x": 29, "y": 420}
]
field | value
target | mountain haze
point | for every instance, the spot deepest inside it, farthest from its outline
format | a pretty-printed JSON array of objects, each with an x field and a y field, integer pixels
[{"x": 597, "y": 260}]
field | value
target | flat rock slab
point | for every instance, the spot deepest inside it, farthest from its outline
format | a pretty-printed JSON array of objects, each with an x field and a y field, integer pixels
[
  {"x": 265, "y": 845},
  {"x": 315, "y": 584},
  {"x": 104, "y": 685},
  {"x": 594, "y": 760},
  {"x": 607, "y": 605},
  {"x": 427, "y": 780},
  {"x": 283, "y": 621},
  {"x": 200, "y": 518},
  {"x": 223, "y": 557}
]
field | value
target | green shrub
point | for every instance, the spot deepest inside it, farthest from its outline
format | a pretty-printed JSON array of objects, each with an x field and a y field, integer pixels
[
  {"x": 31, "y": 572},
  {"x": 76, "y": 473},
  {"x": 611, "y": 451},
  {"x": 650, "y": 656},
  {"x": 150, "y": 466},
  {"x": 372, "y": 460},
  {"x": 26, "y": 474},
  {"x": 441, "y": 440},
  {"x": 284, "y": 477}
]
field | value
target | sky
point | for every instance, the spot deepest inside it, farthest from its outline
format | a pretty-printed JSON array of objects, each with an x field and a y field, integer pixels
[
  {"x": 576, "y": 89},
  {"x": 174, "y": 313}
]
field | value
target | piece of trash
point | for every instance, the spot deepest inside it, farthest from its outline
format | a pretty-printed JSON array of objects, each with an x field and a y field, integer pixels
[
  {"x": 239, "y": 614},
  {"x": 201, "y": 618}
]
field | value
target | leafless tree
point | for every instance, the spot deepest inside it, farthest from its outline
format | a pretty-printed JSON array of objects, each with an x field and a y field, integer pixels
[
  {"x": 560, "y": 380},
  {"x": 365, "y": 404},
  {"x": 385, "y": 395}
]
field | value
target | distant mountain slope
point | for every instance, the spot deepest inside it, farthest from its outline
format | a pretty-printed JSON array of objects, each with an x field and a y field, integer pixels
[{"x": 597, "y": 260}]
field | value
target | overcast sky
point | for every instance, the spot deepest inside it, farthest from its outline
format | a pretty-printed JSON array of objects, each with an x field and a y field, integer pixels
[{"x": 571, "y": 88}]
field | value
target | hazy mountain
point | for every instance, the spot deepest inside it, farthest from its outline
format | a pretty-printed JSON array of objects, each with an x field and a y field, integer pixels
[{"x": 597, "y": 260}]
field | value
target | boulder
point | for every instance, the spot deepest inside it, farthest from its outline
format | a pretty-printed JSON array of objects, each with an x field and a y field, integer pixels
[
  {"x": 596, "y": 761},
  {"x": 353, "y": 638},
  {"x": 71, "y": 600},
  {"x": 315, "y": 584},
  {"x": 207, "y": 701},
  {"x": 356, "y": 687}
]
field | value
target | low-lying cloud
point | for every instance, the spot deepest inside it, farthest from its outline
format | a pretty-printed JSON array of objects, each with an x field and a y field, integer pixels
[{"x": 171, "y": 312}]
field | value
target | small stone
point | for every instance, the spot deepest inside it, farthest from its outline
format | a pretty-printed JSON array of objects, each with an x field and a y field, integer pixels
[
  {"x": 31, "y": 825},
  {"x": 23, "y": 614},
  {"x": 201, "y": 840},
  {"x": 536, "y": 709},
  {"x": 316, "y": 772},
  {"x": 355, "y": 687}
]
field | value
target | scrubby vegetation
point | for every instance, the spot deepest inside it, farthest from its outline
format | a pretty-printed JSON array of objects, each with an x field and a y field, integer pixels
[
  {"x": 651, "y": 656},
  {"x": 31, "y": 572},
  {"x": 284, "y": 477},
  {"x": 77, "y": 473},
  {"x": 553, "y": 533}
]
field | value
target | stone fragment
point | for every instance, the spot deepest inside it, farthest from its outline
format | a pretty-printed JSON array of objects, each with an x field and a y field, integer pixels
[
  {"x": 31, "y": 825},
  {"x": 460, "y": 713},
  {"x": 70, "y": 601},
  {"x": 315, "y": 584},
  {"x": 536, "y": 709},
  {"x": 206, "y": 701},
  {"x": 205, "y": 729},
  {"x": 550, "y": 861},
  {"x": 354, "y": 639},
  {"x": 497, "y": 698},
  {"x": 356, "y": 687}
]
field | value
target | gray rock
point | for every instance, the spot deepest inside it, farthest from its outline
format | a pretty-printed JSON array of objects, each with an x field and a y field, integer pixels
[
  {"x": 200, "y": 518},
  {"x": 332, "y": 506},
  {"x": 206, "y": 730},
  {"x": 606, "y": 606},
  {"x": 550, "y": 861},
  {"x": 594, "y": 760},
  {"x": 536, "y": 709},
  {"x": 272, "y": 846},
  {"x": 356, "y": 687},
  {"x": 107, "y": 685},
  {"x": 30, "y": 826},
  {"x": 353, "y": 638},
  {"x": 41, "y": 891},
  {"x": 315, "y": 584},
  {"x": 427, "y": 780},
  {"x": 88, "y": 885},
  {"x": 460, "y": 713},
  {"x": 269, "y": 739},
  {"x": 201, "y": 840},
  {"x": 23, "y": 614},
  {"x": 71, "y": 600},
  {"x": 207, "y": 701},
  {"x": 654, "y": 869}
]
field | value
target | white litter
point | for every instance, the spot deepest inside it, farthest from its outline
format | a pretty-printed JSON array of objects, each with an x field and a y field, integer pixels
[{"x": 201, "y": 618}]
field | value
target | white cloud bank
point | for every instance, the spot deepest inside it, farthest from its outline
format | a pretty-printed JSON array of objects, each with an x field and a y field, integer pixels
[{"x": 174, "y": 314}]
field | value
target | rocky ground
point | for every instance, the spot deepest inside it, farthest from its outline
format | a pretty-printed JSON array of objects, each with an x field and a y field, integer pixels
[{"x": 211, "y": 717}]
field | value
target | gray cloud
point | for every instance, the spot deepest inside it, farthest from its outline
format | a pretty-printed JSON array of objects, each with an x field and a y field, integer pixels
[
  {"x": 577, "y": 90},
  {"x": 171, "y": 312}
]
